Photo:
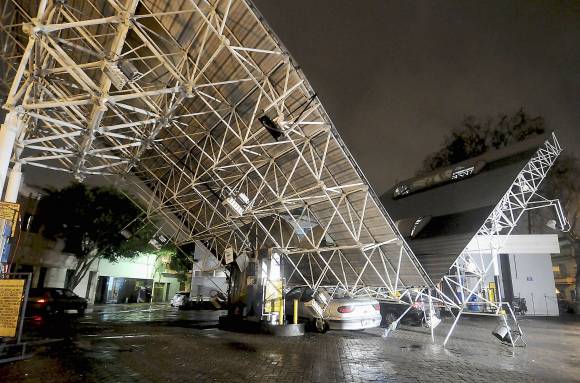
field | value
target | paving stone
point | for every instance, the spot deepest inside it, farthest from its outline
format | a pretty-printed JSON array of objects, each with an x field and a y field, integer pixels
[{"x": 171, "y": 346}]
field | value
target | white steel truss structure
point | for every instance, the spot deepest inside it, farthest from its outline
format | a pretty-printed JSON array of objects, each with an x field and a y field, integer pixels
[
  {"x": 199, "y": 107},
  {"x": 199, "y": 112},
  {"x": 465, "y": 281},
  {"x": 12, "y": 43},
  {"x": 462, "y": 290}
]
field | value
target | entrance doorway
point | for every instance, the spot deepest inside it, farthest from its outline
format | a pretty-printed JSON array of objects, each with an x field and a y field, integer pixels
[{"x": 158, "y": 292}]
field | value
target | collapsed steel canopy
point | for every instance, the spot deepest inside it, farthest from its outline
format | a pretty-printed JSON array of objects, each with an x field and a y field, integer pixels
[
  {"x": 480, "y": 199},
  {"x": 199, "y": 105}
]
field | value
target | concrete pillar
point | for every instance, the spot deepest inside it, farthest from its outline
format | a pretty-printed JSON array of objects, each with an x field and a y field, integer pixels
[
  {"x": 14, "y": 182},
  {"x": 55, "y": 277},
  {"x": 8, "y": 134}
]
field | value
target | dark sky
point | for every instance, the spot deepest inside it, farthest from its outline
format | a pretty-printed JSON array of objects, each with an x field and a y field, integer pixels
[{"x": 396, "y": 76}]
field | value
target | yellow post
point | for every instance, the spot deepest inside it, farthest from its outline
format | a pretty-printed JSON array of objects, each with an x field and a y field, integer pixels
[
  {"x": 491, "y": 291},
  {"x": 281, "y": 312},
  {"x": 295, "y": 311}
]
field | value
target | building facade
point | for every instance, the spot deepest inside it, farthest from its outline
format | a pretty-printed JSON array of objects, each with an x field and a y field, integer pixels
[{"x": 146, "y": 278}]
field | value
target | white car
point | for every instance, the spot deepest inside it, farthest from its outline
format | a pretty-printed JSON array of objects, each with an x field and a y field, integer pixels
[
  {"x": 180, "y": 299},
  {"x": 335, "y": 311}
]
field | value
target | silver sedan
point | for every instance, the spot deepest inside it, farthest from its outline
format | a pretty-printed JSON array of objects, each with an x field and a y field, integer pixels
[{"x": 335, "y": 311}]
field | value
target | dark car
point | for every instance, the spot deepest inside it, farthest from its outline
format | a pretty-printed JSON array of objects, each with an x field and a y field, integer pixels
[
  {"x": 54, "y": 301},
  {"x": 391, "y": 311}
]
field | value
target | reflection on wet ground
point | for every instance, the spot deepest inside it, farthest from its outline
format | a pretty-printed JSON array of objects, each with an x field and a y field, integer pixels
[{"x": 143, "y": 343}]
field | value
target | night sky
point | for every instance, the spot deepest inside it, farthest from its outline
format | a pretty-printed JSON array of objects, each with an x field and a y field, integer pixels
[{"x": 396, "y": 76}]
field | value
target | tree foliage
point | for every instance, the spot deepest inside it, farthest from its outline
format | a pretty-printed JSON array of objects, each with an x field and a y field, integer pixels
[
  {"x": 90, "y": 221},
  {"x": 475, "y": 137}
]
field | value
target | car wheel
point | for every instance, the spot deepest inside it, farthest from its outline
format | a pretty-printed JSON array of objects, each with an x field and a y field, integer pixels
[{"x": 320, "y": 325}]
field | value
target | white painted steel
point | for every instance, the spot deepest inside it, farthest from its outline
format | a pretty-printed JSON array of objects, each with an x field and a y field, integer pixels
[{"x": 168, "y": 95}]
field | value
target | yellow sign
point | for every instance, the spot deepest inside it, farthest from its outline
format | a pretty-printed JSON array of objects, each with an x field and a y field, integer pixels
[
  {"x": 10, "y": 302},
  {"x": 9, "y": 211},
  {"x": 273, "y": 296}
]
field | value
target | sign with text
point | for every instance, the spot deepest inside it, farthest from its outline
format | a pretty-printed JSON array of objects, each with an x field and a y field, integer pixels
[
  {"x": 229, "y": 255},
  {"x": 9, "y": 212},
  {"x": 10, "y": 301}
]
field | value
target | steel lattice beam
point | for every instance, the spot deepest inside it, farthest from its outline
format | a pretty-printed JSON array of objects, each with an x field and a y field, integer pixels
[{"x": 170, "y": 94}]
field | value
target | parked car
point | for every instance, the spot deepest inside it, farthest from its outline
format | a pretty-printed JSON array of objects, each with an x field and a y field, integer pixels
[
  {"x": 54, "y": 301},
  {"x": 341, "y": 312},
  {"x": 180, "y": 299},
  {"x": 391, "y": 311},
  {"x": 417, "y": 314}
]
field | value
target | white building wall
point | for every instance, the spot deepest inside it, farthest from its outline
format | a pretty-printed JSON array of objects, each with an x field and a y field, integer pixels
[
  {"x": 55, "y": 277},
  {"x": 141, "y": 267},
  {"x": 533, "y": 279},
  {"x": 42, "y": 253}
]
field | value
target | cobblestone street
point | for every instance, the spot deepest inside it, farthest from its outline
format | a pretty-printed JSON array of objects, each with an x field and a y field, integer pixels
[{"x": 157, "y": 344}]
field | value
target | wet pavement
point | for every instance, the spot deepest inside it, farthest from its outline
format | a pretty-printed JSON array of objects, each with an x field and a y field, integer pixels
[{"x": 143, "y": 343}]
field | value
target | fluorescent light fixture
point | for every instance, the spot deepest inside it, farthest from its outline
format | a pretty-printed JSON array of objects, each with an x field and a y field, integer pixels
[
  {"x": 237, "y": 203},
  {"x": 244, "y": 198},
  {"x": 234, "y": 205}
]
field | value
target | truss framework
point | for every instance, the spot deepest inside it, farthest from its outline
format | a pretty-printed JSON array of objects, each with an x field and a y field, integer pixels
[
  {"x": 12, "y": 44},
  {"x": 169, "y": 95},
  {"x": 466, "y": 275},
  {"x": 172, "y": 95}
]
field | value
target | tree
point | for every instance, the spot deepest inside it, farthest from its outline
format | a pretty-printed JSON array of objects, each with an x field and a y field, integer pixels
[
  {"x": 91, "y": 221},
  {"x": 475, "y": 137},
  {"x": 174, "y": 259},
  {"x": 563, "y": 182}
]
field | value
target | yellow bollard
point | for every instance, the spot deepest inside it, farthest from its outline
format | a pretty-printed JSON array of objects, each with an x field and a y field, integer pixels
[
  {"x": 281, "y": 312},
  {"x": 295, "y": 311}
]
